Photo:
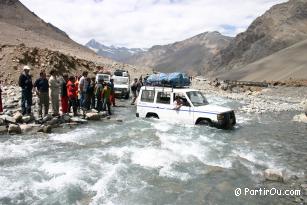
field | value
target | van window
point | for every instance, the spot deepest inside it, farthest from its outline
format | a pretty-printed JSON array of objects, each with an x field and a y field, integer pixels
[
  {"x": 148, "y": 96},
  {"x": 164, "y": 98}
]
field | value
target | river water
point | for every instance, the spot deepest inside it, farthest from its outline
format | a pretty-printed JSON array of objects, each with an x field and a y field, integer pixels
[{"x": 151, "y": 161}]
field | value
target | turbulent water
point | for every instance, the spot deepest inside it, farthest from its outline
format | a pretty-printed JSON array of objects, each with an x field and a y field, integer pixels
[{"x": 150, "y": 161}]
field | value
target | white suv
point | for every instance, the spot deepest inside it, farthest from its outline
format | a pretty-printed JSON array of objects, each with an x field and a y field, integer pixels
[{"x": 157, "y": 102}]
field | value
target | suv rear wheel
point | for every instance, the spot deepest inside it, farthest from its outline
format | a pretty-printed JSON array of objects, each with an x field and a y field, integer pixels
[{"x": 152, "y": 115}]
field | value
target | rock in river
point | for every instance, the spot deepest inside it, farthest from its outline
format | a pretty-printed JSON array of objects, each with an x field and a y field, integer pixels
[
  {"x": 3, "y": 130},
  {"x": 273, "y": 175},
  {"x": 14, "y": 129},
  {"x": 93, "y": 116}
]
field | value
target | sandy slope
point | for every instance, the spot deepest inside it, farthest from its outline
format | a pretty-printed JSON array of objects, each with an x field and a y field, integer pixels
[{"x": 287, "y": 63}]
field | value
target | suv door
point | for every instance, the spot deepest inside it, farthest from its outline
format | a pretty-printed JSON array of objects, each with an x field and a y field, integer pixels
[
  {"x": 185, "y": 113},
  {"x": 163, "y": 104}
]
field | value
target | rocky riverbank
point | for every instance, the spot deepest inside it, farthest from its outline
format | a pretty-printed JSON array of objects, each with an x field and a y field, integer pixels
[
  {"x": 13, "y": 122},
  {"x": 257, "y": 99}
]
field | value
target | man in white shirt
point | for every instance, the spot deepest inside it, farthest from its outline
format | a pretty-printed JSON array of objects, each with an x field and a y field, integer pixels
[{"x": 83, "y": 83}]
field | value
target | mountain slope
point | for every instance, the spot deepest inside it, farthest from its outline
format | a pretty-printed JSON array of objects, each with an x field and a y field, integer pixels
[
  {"x": 19, "y": 25},
  {"x": 192, "y": 55},
  {"x": 120, "y": 54},
  {"x": 287, "y": 63},
  {"x": 25, "y": 39},
  {"x": 280, "y": 27}
]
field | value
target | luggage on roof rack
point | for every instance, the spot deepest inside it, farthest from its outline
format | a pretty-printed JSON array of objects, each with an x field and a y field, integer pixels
[
  {"x": 176, "y": 79},
  {"x": 122, "y": 73}
]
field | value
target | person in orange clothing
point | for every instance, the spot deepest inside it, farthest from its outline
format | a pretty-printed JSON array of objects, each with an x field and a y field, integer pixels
[{"x": 72, "y": 92}]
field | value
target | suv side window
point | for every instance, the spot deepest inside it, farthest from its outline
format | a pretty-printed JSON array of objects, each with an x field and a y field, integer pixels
[
  {"x": 148, "y": 96},
  {"x": 183, "y": 99},
  {"x": 164, "y": 98}
]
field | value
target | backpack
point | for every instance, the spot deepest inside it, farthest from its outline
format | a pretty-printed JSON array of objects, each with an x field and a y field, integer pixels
[{"x": 98, "y": 92}]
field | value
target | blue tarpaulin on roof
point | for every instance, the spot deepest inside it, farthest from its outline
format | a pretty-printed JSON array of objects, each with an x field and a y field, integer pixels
[{"x": 176, "y": 79}]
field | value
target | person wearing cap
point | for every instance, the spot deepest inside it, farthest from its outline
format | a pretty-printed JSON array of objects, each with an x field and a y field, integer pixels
[
  {"x": 42, "y": 90},
  {"x": 54, "y": 87},
  {"x": 25, "y": 82}
]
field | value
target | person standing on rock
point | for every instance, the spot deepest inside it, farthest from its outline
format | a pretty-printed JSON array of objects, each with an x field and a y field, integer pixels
[
  {"x": 54, "y": 86},
  {"x": 64, "y": 95},
  {"x": 98, "y": 94},
  {"x": 1, "y": 108},
  {"x": 25, "y": 82},
  {"x": 72, "y": 92},
  {"x": 106, "y": 98},
  {"x": 42, "y": 90},
  {"x": 83, "y": 84}
]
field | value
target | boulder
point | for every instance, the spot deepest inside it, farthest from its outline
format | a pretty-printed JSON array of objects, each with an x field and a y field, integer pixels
[
  {"x": 47, "y": 129},
  {"x": 3, "y": 130},
  {"x": 1, "y": 122},
  {"x": 53, "y": 121},
  {"x": 300, "y": 118},
  {"x": 78, "y": 120},
  {"x": 93, "y": 116},
  {"x": 273, "y": 175},
  {"x": 29, "y": 128},
  {"x": 14, "y": 129},
  {"x": 66, "y": 118},
  {"x": 47, "y": 118},
  {"x": 8, "y": 119},
  {"x": 26, "y": 119}
]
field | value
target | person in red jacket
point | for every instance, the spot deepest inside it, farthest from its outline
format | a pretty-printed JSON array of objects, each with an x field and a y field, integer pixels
[
  {"x": 72, "y": 92},
  {"x": 64, "y": 95}
]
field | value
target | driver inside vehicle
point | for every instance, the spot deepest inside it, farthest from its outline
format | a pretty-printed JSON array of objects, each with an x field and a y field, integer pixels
[{"x": 177, "y": 103}]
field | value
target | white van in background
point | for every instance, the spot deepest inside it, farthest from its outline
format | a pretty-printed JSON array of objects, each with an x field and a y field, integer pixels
[
  {"x": 121, "y": 84},
  {"x": 103, "y": 76},
  {"x": 158, "y": 102}
]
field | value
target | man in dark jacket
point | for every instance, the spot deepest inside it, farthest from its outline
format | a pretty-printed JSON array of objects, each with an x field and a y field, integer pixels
[
  {"x": 42, "y": 90},
  {"x": 25, "y": 82}
]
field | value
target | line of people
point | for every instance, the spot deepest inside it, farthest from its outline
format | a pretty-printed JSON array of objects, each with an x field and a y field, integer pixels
[{"x": 75, "y": 93}]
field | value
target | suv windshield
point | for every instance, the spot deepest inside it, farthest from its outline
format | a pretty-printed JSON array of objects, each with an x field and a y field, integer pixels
[
  {"x": 121, "y": 81},
  {"x": 197, "y": 98}
]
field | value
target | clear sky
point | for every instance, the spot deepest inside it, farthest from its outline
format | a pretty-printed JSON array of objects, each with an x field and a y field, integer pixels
[{"x": 144, "y": 23}]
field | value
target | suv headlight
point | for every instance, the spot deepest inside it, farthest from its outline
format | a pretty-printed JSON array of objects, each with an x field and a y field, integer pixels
[{"x": 220, "y": 116}]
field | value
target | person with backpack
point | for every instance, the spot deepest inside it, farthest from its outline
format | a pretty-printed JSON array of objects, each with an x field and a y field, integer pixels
[
  {"x": 25, "y": 82},
  {"x": 134, "y": 87}
]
